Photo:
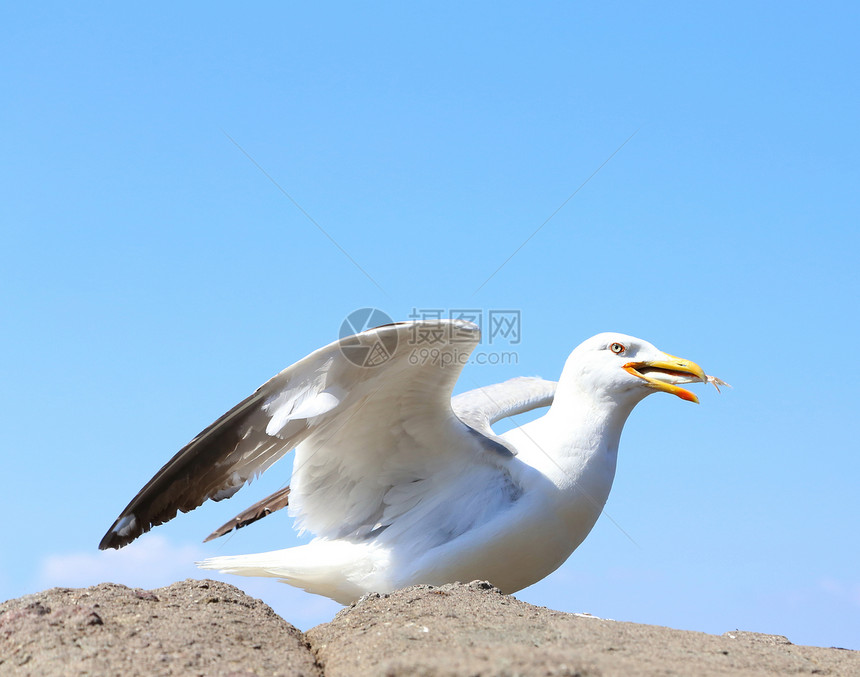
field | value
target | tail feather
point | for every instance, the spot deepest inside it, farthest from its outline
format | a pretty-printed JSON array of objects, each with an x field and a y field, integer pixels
[{"x": 339, "y": 570}]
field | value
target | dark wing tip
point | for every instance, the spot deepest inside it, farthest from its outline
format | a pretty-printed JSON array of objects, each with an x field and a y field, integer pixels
[
  {"x": 122, "y": 532},
  {"x": 128, "y": 527},
  {"x": 196, "y": 473}
]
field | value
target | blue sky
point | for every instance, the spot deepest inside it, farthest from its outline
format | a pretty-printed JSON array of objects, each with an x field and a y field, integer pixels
[{"x": 152, "y": 274}]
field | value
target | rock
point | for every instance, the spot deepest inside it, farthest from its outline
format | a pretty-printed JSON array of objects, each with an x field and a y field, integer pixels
[
  {"x": 189, "y": 628},
  {"x": 475, "y": 630},
  {"x": 211, "y": 628}
]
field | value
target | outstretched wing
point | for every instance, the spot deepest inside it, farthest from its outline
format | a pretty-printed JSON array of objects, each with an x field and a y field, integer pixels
[
  {"x": 478, "y": 409},
  {"x": 370, "y": 413},
  {"x": 482, "y": 407}
]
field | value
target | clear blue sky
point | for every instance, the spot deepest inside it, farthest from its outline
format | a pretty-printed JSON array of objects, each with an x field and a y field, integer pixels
[{"x": 151, "y": 275}]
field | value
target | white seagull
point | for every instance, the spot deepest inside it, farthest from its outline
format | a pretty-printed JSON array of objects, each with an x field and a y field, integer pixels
[{"x": 400, "y": 483}]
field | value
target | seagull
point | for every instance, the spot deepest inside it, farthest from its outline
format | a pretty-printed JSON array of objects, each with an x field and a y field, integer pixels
[{"x": 402, "y": 484}]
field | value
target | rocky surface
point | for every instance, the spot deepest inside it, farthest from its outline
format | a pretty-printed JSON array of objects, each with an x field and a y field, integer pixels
[
  {"x": 211, "y": 628},
  {"x": 189, "y": 628}
]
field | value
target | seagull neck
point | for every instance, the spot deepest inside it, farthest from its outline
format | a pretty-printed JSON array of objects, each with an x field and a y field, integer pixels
[{"x": 586, "y": 422}]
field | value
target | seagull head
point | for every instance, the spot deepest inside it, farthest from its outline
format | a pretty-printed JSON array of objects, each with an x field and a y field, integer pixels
[{"x": 621, "y": 367}]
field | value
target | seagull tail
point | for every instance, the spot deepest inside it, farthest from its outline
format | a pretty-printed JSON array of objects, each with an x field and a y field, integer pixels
[{"x": 341, "y": 571}]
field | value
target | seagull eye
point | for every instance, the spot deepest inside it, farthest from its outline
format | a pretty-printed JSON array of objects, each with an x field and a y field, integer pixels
[{"x": 617, "y": 348}]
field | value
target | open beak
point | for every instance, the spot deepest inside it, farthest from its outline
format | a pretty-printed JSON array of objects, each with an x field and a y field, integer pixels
[{"x": 667, "y": 373}]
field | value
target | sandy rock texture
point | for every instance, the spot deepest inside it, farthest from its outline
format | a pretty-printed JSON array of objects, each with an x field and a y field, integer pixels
[
  {"x": 211, "y": 628},
  {"x": 475, "y": 630},
  {"x": 189, "y": 628}
]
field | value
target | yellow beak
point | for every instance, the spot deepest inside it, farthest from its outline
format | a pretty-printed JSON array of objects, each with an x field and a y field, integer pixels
[{"x": 672, "y": 367}]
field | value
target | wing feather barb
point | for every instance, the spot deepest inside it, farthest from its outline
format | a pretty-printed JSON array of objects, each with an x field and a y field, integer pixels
[{"x": 260, "y": 509}]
